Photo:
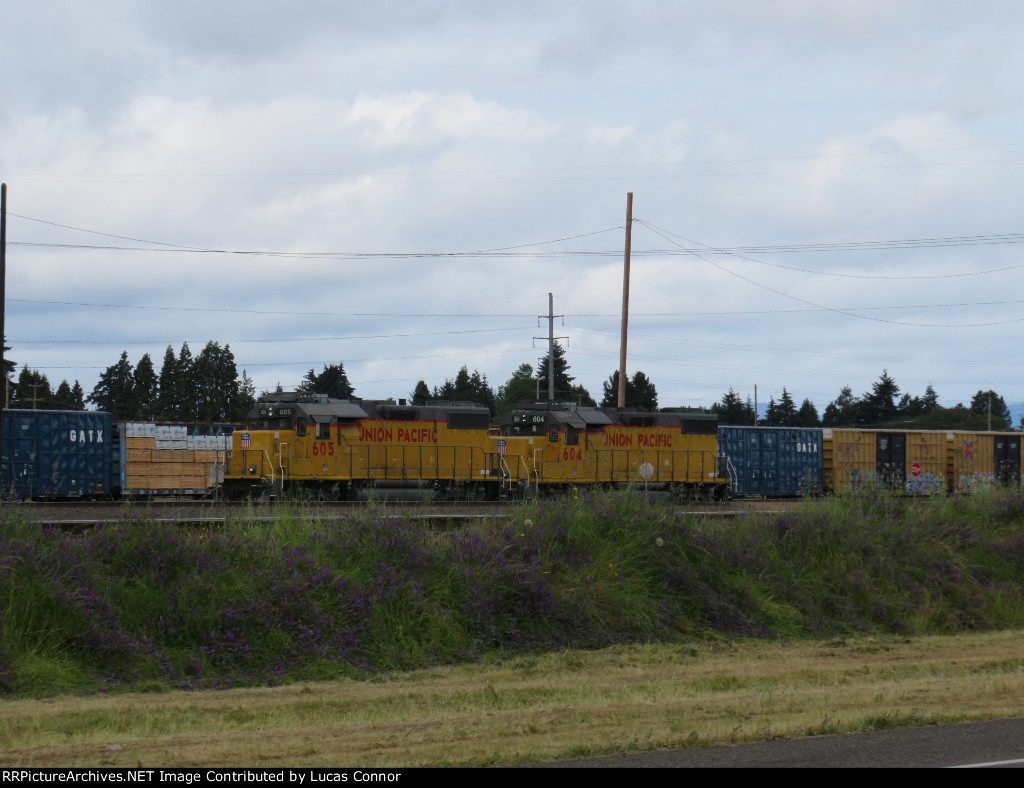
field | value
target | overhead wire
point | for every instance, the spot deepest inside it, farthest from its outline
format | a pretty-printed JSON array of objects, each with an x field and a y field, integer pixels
[
  {"x": 262, "y": 341},
  {"x": 513, "y": 250},
  {"x": 489, "y": 315},
  {"x": 915, "y": 244},
  {"x": 835, "y": 310}
]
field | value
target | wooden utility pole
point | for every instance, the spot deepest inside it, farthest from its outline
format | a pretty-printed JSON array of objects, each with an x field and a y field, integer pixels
[
  {"x": 625, "y": 302},
  {"x": 3, "y": 299}
]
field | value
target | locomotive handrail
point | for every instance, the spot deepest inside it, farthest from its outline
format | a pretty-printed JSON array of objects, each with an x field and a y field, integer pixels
[
  {"x": 507, "y": 471},
  {"x": 280, "y": 455},
  {"x": 270, "y": 464}
]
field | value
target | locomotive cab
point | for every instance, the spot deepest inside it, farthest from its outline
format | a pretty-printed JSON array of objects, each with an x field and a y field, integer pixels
[{"x": 283, "y": 433}]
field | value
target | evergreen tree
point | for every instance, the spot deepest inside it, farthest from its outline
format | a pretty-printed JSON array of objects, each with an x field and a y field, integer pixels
[
  {"x": 168, "y": 407},
  {"x": 146, "y": 387},
  {"x": 482, "y": 391},
  {"x": 32, "y": 391},
  {"x": 981, "y": 402},
  {"x": 564, "y": 389},
  {"x": 807, "y": 416},
  {"x": 645, "y": 392},
  {"x": 245, "y": 401},
  {"x": 185, "y": 390},
  {"x": 446, "y": 391},
  {"x": 610, "y": 391},
  {"x": 467, "y": 388},
  {"x": 178, "y": 396},
  {"x": 581, "y": 397},
  {"x": 65, "y": 398},
  {"x": 640, "y": 392},
  {"x": 843, "y": 411},
  {"x": 521, "y": 387},
  {"x": 732, "y": 411},
  {"x": 909, "y": 407},
  {"x": 879, "y": 406},
  {"x": 462, "y": 390},
  {"x": 215, "y": 377},
  {"x": 421, "y": 393},
  {"x": 781, "y": 414},
  {"x": 332, "y": 381},
  {"x": 115, "y": 391},
  {"x": 78, "y": 397}
]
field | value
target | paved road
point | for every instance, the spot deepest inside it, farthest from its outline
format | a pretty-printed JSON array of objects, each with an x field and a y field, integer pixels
[{"x": 969, "y": 744}]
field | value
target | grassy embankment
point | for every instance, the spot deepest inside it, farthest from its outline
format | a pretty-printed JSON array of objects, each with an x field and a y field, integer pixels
[{"x": 140, "y": 606}]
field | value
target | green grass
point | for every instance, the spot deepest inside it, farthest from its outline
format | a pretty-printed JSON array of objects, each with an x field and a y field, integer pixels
[{"x": 138, "y": 603}]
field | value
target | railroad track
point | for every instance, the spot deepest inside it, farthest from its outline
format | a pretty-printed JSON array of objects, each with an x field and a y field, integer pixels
[{"x": 90, "y": 513}]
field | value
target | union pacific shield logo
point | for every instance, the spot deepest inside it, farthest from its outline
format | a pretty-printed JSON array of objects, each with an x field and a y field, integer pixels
[{"x": 245, "y": 440}]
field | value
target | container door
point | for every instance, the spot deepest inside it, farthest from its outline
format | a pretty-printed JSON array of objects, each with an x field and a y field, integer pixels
[
  {"x": 1007, "y": 459},
  {"x": 891, "y": 459},
  {"x": 765, "y": 462}
]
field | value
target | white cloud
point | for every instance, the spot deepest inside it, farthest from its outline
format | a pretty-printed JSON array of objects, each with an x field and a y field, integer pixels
[{"x": 419, "y": 119}]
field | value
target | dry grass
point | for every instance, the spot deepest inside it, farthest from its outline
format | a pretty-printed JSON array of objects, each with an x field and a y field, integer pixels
[{"x": 537, "y": 709}]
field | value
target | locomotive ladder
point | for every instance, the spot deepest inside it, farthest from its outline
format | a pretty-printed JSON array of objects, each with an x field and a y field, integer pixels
[{"x": 507, "y": 482}]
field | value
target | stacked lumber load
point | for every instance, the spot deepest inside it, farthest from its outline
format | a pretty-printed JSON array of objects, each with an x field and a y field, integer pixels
[{"x": 166, "y": 459}]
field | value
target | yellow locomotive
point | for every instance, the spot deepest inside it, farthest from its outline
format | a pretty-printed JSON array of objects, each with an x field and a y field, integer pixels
[
  {"x": 328, "y": 448},
  {"x": 547, "y": 444},
  {"x": 331, "y": 448}
]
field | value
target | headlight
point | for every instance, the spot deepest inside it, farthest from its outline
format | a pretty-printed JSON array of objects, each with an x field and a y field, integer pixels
[{"x": 252, "y": 469}]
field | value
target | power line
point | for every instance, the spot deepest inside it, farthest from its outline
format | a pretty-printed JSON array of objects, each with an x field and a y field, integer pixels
[
  {"x": 722, "y": 268},
  {"x": 913, "y": 243},
  {"x": 356, "y": 255},
  {"x": 799, "y": 351},
  {"x": 266, "y": 311},
  {"x": 490, "y": 315},
  {"x": 511, "y": 251},
  {"x": 261, "y": 341}
]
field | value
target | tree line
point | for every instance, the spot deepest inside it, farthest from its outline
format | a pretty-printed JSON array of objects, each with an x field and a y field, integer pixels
[
  {"x": 207, "y": 387},
  {"x": 202, "y": 388},
  {"x": 883, "y": 406},
  {"x": 527, "y": 384}
]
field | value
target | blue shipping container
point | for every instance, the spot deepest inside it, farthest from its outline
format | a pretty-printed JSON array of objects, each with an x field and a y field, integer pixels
[
  {"x": 57, "y": 454},
  {"x": 771, "y": 461}
]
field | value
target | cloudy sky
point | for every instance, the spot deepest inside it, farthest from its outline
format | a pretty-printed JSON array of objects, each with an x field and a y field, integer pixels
[{"x": 823, "y": 189}]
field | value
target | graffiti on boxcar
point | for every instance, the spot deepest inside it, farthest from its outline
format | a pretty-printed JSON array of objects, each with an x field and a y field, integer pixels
[
  {"x": 858, "y": 478},
  {"x": 977, "y": 482},
  {"x": 927, "y": 484}
]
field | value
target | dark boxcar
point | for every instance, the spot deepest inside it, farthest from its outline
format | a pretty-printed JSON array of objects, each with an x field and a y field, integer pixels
[
  {"x": 57, "y": 454},
  {"x": 771, "y": 461}
]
